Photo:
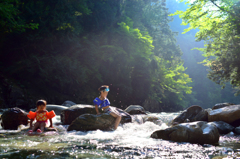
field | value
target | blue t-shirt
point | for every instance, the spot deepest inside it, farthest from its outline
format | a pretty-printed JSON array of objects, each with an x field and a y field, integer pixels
[{"x": 101, "y": 103}]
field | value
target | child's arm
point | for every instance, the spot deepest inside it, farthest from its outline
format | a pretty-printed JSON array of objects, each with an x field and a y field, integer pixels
[
  {"x": 96, "y": 107},
  {"x": 50, "y": 122},
  {"x": 31, "y": 121}
]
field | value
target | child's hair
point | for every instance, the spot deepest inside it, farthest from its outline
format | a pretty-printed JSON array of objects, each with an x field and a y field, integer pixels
[
  {"x": 41, "y": 102},
  {"x": 102, "y": 88}
]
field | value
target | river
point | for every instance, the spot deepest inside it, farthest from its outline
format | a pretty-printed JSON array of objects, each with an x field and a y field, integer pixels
[{"x": 131, "y": 140}]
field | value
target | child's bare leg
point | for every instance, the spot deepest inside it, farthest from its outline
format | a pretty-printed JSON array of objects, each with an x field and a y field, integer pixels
[
  {"x": 42, "y": 126},
  {"x": 36, "y": 125},
  {"x": 118, "y": 119}
]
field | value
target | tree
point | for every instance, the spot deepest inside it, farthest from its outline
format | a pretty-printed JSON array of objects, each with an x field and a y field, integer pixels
[{"x": 218, "y": 24}]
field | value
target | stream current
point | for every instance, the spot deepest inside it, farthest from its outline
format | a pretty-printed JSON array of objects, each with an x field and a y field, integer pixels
[{"x": 131, "y": 140}]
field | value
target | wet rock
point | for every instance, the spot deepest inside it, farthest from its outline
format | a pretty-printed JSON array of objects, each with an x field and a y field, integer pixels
[
  {"x": 135, "y": 109},
  {"x": 223, "y": 127},
  {"x": 57, "y": 108},
  {"x": 237, "y": 130},
  {"x": 221, "y": 105},
  {"x": 50, "y": 129},
  {"x": 68, "y": 103},
  {"x": 14, "y": 117},
  {"x": 228, "y": 114},
  {"x": 70, "y": 114},
  {"x": 195, "y": 132},
  {"x": 86, "y": 122},
  {"x": 153, "y": 119},
  {"x": 193, "y": 113},
  {"x": 135, "y": 112}
]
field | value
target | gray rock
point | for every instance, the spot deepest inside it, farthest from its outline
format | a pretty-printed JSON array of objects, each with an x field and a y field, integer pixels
[
  {"x": 68, "y": 103},
  {"x": 88, "y": 122},
  {"x": 223, "y": 127},
  {"x": 228, "y": 114},
  {"x": 57, "y": 108},
  {"x": 221, "y": 105},
  {"x": 237, "y": 130},
  {"x": 195, "y": 132},
  {"x": 70, "y": 114},
  {"x": 135, "y": 109},
  {"x": 193, "y": 113}
]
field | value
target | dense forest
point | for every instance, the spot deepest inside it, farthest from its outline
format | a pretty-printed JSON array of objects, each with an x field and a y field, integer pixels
[{"x": 64, "y": 50}]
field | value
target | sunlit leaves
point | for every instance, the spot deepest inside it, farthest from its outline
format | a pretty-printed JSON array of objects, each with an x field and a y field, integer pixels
[{"x": 218, "y": 24}]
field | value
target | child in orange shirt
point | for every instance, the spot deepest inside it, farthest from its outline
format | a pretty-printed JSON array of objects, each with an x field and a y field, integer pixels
[{"x": 41, "y": 115}]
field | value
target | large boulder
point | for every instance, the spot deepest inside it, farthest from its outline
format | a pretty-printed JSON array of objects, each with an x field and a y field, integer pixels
[
  {"x": 193, "y": 113},
  {"x": 57, "y": 108},
  {"x": 70, "y": 114},
  {"x": 14, "y": 117},
  {"x": 68, "y": 103},
  {"x": 88, "y": 122},
  {"x": 135, "y": 109},
  {"x": 195, "y": 132},
  {"x": 221, "y": 105},
  {"x": 104, "y": 121},
  {"x": 223, "y": 127},
  {"x": 228, "y": 114}
]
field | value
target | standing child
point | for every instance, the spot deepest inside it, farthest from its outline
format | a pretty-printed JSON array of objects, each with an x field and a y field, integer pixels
[
  {"x": 41, "y": 115},
  {"x": 103, "y": 103}
]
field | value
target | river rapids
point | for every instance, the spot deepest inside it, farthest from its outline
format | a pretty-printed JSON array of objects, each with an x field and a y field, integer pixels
[{"x": 131, "y": 140}]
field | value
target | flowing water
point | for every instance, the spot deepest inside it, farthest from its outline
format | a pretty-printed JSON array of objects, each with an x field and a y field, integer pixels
[{"x": 130, "y": 140}]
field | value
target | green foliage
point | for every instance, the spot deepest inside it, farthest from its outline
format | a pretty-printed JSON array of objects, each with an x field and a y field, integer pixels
[
  {"x": 218, "y": 24},
  {"x": 80, "y": 45},
  {"x": 10, "y": 19}
]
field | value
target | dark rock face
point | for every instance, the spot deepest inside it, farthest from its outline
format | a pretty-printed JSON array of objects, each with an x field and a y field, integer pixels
[
  {"x": 56, "y": 108},
  {"x": 228, "y": 114},
  {"x": 68, "y": 103},
  {"x": 193, "y": 113},
  {"x": 221, "y": 105},
  {"x": 223, "y": 127},
  {"x": 14, "y": 117},
  {"x": 135, "y": 112},
  {"x": 135, "y": 109},
  {"x": 196, "y": 132},
  {"x": 237, "y": 130},
  {"x": 88, "y": 122},
  {"x": 70, "y": 114}
]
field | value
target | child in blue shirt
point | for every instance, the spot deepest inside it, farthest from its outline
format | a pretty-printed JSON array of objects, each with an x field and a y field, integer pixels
[{"x": 103, "y": 103}]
